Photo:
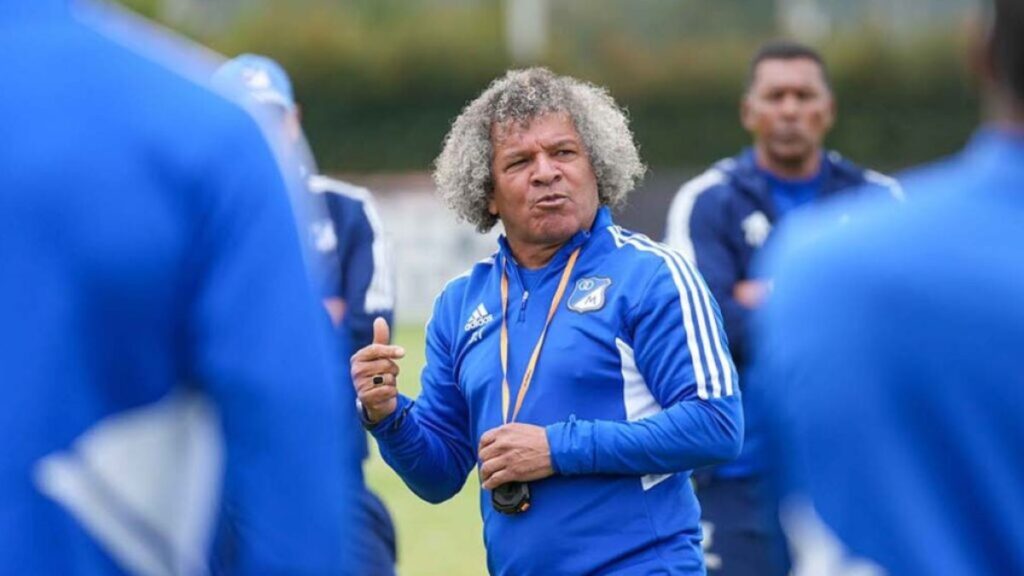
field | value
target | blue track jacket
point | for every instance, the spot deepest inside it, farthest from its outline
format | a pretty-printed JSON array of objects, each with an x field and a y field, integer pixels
[
  {"x": 361, "y": 272},
  {"x": 720, "y": 220},
  {"x": 892, "y": 347},
  {"x": 163, "y": 356},
  {"x": 635, "y": 386}
]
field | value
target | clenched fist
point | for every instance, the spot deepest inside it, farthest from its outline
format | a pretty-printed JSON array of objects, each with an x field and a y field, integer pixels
[{"x": 514, "y": 453}]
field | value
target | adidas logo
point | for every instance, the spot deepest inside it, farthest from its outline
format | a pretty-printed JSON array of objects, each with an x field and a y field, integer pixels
[{"x": 479, "y": 317}]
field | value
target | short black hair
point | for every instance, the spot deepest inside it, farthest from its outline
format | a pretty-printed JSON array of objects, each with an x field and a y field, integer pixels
[
  {"x": 786, "y": 50},
  {"x": 1007, "y": 46}
]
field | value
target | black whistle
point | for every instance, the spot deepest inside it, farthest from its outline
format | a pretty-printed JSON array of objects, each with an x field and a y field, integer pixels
[{"x": 511, "y": 498}]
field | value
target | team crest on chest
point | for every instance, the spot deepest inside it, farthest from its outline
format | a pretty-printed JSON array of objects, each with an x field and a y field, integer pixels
[
  {"x": 588, "y": 294},
  {"x": 756, "y": 228}
]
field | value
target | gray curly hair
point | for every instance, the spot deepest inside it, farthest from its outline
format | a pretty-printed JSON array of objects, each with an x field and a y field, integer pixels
[{"x": 462, "y": 171}]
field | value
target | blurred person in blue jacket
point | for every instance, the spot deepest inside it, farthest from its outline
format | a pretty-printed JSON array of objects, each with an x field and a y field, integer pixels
[
  {"x": 720, "y": 220},
  {"x": 891, "y": 348},
  {"x": 582, "y": 368},
  {"x": 361, "y": 287},
  {"x": 163, "y": 354},
  {"x": 343, "y": 231},
  {"x": 347, "y": 245},
  {"x": 341, "y": 220}
]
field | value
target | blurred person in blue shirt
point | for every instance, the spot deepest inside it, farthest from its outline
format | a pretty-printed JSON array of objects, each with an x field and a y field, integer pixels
[
  {"x": 891, "y": 348},
  {"x": 342, "y": 224},
  {"x": 361, "y": 287},
  {"x": 721, "y": 220},
  {"x": 348, "y": 248},
  {"x": 582, "y": 368},
  {"x": 162, "y": 351}
]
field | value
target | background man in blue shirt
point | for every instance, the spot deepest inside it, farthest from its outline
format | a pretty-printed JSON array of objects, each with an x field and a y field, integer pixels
[
  {"x": 346, "y": 244},
  {"x": 162, "y": 353},
  {"x": 892, "y": 352},
  {"x": 614, "y": 337},
  {"x": 343, "y": 230},
  {"x": 721, "y": 220}
]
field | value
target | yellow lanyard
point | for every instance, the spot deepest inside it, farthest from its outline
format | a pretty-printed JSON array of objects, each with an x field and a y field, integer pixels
[{"x": 528, "y": 375}]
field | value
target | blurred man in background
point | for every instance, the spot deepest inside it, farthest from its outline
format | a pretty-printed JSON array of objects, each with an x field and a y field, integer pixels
[
  {"x": 892, "y": 351},
  {"x": 720, "y": 220},
  {"x": 362, "y": 285},
  {"x": 629, "y": 379},
  {"x": 348, "y": 248},
  {"x": 160, "y": 342},
  {"x": 341, "y": 220}
]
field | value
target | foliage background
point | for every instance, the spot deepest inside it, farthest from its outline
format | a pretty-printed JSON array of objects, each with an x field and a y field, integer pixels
[{"x": 380, "y": 80}]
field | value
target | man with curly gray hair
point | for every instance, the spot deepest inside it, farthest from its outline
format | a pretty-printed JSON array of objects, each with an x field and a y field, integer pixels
[
  {"x": 463, "y": 177},
  {"x": 590, "y": 472}
]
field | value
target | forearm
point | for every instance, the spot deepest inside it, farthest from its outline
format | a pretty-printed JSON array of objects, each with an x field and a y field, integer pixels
[
  {"x": 685, "y": 436},
  {"x": 431, "y": 463}
]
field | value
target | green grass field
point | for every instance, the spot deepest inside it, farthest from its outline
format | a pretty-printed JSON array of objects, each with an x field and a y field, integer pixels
[{"x": 432, "y": 539}]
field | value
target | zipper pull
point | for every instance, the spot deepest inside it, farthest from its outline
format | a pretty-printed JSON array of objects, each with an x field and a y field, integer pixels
[{"x": 522, "y": 306}]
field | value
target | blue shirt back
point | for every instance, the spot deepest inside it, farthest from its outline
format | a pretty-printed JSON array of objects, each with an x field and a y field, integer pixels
[
  {"x": 892, "y": 346},
  {"x": 149, "y": 255}
]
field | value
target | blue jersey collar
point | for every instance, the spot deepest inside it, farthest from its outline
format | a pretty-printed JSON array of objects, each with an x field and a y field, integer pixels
[
  {"x": 601, "y": 221},
  {"x": 836, "y": 173}
]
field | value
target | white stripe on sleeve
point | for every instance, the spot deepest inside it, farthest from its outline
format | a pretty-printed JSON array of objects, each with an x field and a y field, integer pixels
[
  {"x": 722, "y": 355},
  {"x": 677, "y": 229},
  {"x": 707, "y": 335},
  {"x": 690, "y": 334},
  {"x": 639, "y": 401}
]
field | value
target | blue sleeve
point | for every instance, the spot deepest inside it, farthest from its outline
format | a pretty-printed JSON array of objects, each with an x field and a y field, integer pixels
[
  {"x": 721, "y": 268},
  {"x": 681, "y": 386},
  {"x": 258, "y": 341},
  {"x": 366, "y": 277},
  {"x": 428, "y": 442}
]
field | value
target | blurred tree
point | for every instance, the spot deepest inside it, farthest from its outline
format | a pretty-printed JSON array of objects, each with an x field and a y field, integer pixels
[{"x": 380, "y": 80}]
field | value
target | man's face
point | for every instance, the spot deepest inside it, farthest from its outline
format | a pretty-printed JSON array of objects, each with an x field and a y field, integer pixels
[
  {"x": 544, "y": 186},
  {"x": 788, "y": 109}
]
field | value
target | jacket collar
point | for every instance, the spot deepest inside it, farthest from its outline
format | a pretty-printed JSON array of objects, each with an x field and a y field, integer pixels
[
  {"x": 839, "y": 174},
  {"x": 601, "y": 221}
]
